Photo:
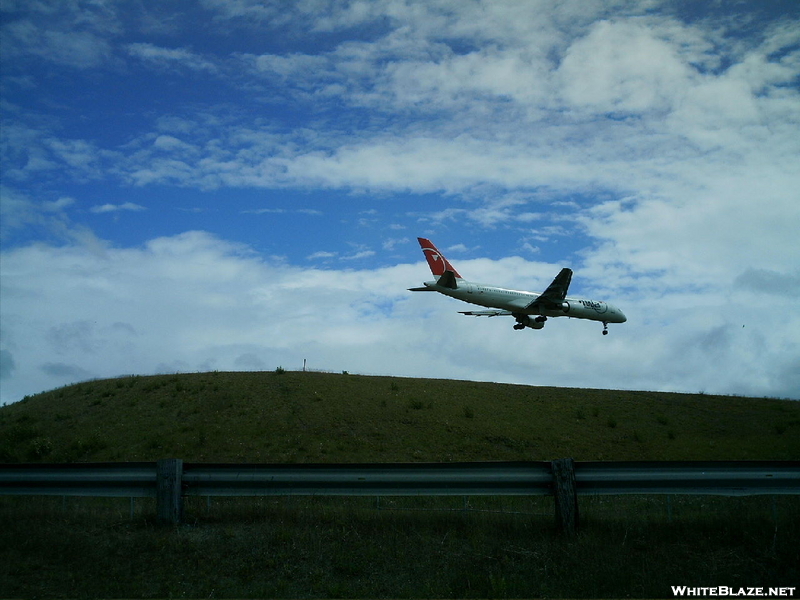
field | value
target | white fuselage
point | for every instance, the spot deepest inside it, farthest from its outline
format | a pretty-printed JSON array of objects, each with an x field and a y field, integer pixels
[{"x": 517, "y": 301}]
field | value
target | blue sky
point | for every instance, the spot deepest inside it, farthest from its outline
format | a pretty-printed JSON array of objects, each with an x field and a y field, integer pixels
[{"x": 239, "y": 185}]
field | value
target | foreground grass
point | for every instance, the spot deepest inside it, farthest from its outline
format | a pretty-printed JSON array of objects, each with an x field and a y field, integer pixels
[
  {"x": 336, "y": 547},
  {"x": 316, "y": 417}
]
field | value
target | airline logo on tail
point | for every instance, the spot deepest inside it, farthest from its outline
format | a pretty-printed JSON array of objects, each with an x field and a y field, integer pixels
[{"x": 436, "y": 261}]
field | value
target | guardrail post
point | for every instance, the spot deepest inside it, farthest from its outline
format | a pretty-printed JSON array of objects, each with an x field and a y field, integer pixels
[
  {"x": 169, "y": 500},
  {"x": 566, "y": 496}
]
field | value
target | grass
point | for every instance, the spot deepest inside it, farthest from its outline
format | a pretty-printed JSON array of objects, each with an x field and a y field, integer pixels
[
  {"x": 285, "y": 416},
  {"x": 423, "y": 547},
  {"x": 628, "y": 546}
]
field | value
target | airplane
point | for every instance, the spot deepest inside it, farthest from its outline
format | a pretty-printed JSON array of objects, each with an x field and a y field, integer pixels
[{"x": 529, "y": 309}]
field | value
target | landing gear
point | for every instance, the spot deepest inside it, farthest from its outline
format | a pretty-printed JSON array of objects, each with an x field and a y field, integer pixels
[
  {"x": 605, "y": 328},
  {"x": 519, "y": 326}
]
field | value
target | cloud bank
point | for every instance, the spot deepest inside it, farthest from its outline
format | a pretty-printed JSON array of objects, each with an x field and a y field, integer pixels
[{"x": 193, "y": 302}]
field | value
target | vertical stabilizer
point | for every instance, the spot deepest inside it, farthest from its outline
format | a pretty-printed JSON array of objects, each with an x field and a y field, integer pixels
[{"x": 436, "y": 260}]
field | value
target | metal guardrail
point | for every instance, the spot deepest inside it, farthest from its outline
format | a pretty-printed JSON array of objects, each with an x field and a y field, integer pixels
[
  {"x": 122, "y": 480},
  {"x": 391, "y": 479},
  {"x": 401, "y": 479},
  {"x": 169, "y": 480},
  {"x": 724, "y": 478}
]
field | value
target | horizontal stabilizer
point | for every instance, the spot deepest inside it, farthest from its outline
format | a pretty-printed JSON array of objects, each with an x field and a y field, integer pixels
[
  {"x": 448, "y": 280},
  {"x": 421, "y": 289},
  {"x": 486, "y": 313}
]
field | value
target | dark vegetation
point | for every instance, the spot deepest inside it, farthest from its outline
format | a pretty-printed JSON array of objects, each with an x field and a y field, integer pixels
[
  {"x": 345, "y": 547},
  {"x": 287, "y": 416},
  {"x": 390, "y": 547}
]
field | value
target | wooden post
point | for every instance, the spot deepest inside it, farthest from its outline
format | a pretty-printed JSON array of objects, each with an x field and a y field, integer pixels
[
  {"x": 169, "y": 498},
  {"x": 669, "y": 508},
  {"x": 565, "y": 494}
]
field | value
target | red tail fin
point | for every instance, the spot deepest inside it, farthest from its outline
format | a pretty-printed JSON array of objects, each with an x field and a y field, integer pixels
[{"x": 436, "y": 260}]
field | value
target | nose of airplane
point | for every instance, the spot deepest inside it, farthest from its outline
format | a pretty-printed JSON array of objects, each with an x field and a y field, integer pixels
[{"x": 620, "y": 316}]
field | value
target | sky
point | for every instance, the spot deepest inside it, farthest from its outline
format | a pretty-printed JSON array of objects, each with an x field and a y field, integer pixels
[{"x": 239, "y": 185}]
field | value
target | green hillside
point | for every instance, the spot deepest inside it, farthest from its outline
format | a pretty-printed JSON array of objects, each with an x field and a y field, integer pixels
[
  {"x": 318, "y": 417},
  {"x": 480, "y": 547}
]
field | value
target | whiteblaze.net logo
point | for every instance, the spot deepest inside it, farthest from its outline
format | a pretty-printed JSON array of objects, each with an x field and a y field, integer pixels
[{"x": 734, "y": 592}]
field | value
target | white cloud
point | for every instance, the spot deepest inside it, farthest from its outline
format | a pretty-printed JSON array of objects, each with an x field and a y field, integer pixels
[
  {"x": 623, "y": 67},
  {"x": 297, "y": 67},
  {"x": 78, "y": 49},
  {"x": 168, "y": 57},
  {"x": 265, "y": 211},
  {"x": 258, "y": 12},
  {"x": 72, "y": 34},
  {"x": 195, "y": 302},
  {"x": 282, "y": 211},
  {"x": 125, "y": 206},
  {"x": 523, "y": 107},
  {"x": 732, "y": 222},
  {"x": 551, "y": 130},
  {"x": 322, "y": 254},
  {"x": 20, "y": 214},
  {"x": 359, "y": 255},
  {"x": 30, "y": 151},
  {"x": 59, "y": 204},
  {"x": 390, "y": 243},
  {"x": 169, "y": 143}
]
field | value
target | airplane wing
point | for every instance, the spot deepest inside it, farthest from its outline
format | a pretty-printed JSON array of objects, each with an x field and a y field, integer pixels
[
  {"x": 555, "y": 293},
  {"x": 487, "y": 313}
]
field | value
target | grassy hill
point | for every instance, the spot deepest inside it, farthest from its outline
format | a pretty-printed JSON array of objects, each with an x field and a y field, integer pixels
[
  {"x": 317, "y": 417},
  {"x": 478, "y": 547}
]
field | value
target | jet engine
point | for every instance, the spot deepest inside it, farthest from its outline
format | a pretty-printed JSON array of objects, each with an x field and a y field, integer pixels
[{"x": 524, "y": 321}]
